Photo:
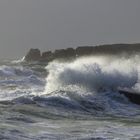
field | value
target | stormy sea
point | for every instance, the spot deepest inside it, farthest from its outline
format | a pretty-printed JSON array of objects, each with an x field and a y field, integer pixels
[{"x": 70, "y": 100}]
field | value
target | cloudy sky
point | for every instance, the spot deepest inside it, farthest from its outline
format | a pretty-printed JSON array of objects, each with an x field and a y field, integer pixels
[{"x": 54, "y": 24}]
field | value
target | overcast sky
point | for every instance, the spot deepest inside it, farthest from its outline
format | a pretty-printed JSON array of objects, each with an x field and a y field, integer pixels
[{"x": 54, "y": 24}]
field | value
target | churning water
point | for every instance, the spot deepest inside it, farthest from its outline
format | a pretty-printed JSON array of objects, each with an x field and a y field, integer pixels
[{"x": 69, "y": 100}]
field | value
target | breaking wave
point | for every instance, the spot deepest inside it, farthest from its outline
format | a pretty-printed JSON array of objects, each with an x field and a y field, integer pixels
[
  {"x": 86, "y": 86},
  {"x": 93, "y": 74},
  {"x": 72, "y": 100}
]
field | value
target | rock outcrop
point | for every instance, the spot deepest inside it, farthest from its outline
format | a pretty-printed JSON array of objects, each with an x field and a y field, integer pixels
[
  {"x": 33, "y": 55},
  {"x": 133, "y": 96},
  {"x": 70, "y": 53},
  {"x": 47, "y": 56},
  {"x": 64, "y": 53},
  {"x": 85, "y": 50}
]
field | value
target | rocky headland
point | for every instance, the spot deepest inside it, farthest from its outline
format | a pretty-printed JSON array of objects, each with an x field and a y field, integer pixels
[{"x": 71, "y": 53}]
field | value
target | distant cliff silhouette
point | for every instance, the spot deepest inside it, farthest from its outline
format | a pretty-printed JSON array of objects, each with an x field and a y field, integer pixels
[{"x": 70, "y": 53}]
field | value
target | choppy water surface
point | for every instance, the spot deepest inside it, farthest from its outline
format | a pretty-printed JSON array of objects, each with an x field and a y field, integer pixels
[{"x": 69, "y": 100}]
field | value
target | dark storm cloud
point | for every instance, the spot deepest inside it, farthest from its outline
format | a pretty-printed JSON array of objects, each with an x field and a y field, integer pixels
[{"x": 50, "y": 24}]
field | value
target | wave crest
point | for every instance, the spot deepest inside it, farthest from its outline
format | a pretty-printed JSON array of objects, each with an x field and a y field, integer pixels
[{"x": 93, "y": 74}]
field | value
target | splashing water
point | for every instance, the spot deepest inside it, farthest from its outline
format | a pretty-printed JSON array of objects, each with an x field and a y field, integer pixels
[
  {"x": 93, "y": 74},
  {"x": 76, "y": 100}
]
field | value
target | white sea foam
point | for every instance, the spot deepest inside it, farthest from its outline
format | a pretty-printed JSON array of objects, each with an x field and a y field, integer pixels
[
  {"x": 19, "y": 60},
  {"x": 18, "y": 81},
  {"x": 94, "y": 73}
]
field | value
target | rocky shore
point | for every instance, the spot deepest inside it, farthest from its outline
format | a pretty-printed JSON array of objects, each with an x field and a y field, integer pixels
[{"x": 71, "y": 53}]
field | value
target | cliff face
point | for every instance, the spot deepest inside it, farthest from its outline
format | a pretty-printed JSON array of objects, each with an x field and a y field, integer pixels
[{"x": 70, "y": 53}]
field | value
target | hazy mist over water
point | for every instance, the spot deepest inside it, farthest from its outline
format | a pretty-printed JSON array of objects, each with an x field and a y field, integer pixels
[{"x": 53, "y": 24}]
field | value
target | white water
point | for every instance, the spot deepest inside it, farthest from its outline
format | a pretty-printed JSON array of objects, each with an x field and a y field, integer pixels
[
  {"x": 19, "y": 61},
  {"x": 16, "y": 81},
  {"x": 82, "y": 114},
  {"x": 94, "y": 73}
]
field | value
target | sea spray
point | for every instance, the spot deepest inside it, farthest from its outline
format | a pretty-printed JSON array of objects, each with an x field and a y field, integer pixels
[
  {"x": 19, "y": 60},
  {"x": 93, "y": 74},
  {"x": 72, "y": 104}
]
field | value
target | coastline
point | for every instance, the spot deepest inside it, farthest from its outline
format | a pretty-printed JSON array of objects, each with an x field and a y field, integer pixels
[{"x": 71, "y": 53}]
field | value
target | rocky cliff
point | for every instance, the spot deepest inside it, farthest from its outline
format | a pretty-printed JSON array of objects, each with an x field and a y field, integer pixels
[{"x": 70, "y": 53}]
